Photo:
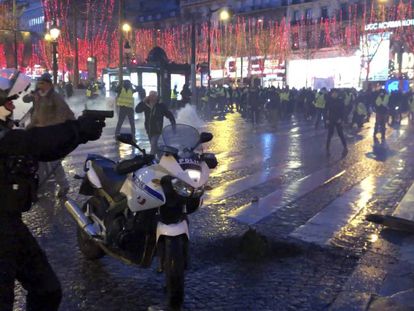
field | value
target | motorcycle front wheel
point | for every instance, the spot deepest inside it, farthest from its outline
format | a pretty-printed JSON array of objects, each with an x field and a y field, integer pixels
[
  {"x": 89, "y": 248},
  {"x": 174, "y": 265}
]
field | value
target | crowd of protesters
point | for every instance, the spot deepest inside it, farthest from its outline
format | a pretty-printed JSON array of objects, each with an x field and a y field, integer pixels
[
  {"x": 330, "y": 109},
  {"x": 272, "y": 104}
]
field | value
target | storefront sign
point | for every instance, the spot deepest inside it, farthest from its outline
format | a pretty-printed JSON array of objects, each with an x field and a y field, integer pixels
[{"x": 390, "y": 24}]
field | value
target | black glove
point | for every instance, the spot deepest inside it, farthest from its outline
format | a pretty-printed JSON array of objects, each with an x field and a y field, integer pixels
[{"x": 89, "y": 128}]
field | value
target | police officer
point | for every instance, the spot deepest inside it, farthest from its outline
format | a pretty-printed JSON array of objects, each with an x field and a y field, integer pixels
[{"x": 21, "y": 257}]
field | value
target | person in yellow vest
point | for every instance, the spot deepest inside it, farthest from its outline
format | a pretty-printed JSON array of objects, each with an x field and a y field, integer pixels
[
  {"x": 320, "y": 105},
  {"x": 125, "y": 102},
  {"x": 381, "y": 114},
  {"x": 360, "y": 112},
  {"x": 284, "y": 101},
  {"x": 349, "y": 101},
  {"x": 174, "y": 97},
  {"x": 411, "y": 108}
]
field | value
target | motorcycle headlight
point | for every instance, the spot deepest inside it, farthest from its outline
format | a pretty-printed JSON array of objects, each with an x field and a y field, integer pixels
[
  {"x": 182, "y": 188},
  {"x": 185, "y": 190},
  {"x": 194, "y": 175}
]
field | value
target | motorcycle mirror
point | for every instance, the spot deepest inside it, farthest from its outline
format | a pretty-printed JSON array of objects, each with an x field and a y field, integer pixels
[
  {"x": 125, "y": 138},
  {"x": 205, "y": 137},
  {"x": 129, "y": 139}
]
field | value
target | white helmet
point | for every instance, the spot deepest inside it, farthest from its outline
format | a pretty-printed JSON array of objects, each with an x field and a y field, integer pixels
[{"x": 12, "y": 84}]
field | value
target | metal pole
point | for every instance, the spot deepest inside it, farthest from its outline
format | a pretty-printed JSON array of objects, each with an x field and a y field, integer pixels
[
  {"x": 76, "y": 64},
  {"x": 15, "y": 35},
  {"x": 208, "y": 52},
  {"x": 108, "y": 64},
  {"x": 55, "y": 64},
  {"x": 241, "y": 69},
  {"x": 193, "y": 65},
  {"x": 120, "y": 17}
]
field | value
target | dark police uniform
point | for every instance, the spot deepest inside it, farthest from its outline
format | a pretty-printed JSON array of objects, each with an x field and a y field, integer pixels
[{"x": 21, "y": 257}]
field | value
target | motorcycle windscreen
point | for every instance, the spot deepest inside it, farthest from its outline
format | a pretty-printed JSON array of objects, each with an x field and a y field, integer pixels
[{"x": 183, "y": 138}]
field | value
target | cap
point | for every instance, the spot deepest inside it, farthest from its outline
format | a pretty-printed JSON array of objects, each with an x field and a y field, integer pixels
[{"x": 46, "y": 77}]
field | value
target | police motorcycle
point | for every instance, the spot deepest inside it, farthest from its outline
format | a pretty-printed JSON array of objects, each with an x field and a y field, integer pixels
[{"x": 137, "y": 208}]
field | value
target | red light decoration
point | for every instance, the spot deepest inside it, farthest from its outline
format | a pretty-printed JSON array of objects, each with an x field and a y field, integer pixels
[{"x": 98, "y": 35}]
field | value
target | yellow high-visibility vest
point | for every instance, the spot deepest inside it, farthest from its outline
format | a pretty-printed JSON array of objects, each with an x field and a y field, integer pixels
[
  {"x": 348, "y": 98},
  {"x": 382, "y": 101},
  {"x": 361, "y": 109},
  {"x": 284, "y": 96},
  {"x": 88, "y": 93},
  {"x": 126, "y": 98},
  {"x": 320, "y": 101},
  {"x": 173, "y": 94},
  {"x": 411, "y": 103}
]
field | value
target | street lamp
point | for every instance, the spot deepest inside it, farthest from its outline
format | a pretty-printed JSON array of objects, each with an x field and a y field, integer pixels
[
  {"x": 223, "y": 15},
  {"x": 124, "y": 28},
  {"x": 53, "y": 36},
  {"x": 127, "y": 51}
]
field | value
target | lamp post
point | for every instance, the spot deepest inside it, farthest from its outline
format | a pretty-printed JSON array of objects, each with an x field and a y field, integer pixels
[
  {"x": 127, "y": 51},
  {"x": 52, "y": 36},
  {"x": 124, "y": 28},
  {"x": 224, "y": 15}
]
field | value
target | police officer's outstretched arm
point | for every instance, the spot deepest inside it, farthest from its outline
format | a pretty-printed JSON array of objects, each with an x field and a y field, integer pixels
[{"x": 51, "y": 142}]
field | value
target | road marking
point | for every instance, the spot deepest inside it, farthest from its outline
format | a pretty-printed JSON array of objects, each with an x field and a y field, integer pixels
[
  {"x": 322, "y": 227},
  {"x": 334, "y": 177},
  {"x": 256, "y": 211},
  {"x": 405, "y": 208}
]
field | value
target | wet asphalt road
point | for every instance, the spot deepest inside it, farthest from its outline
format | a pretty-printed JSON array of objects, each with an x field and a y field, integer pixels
[{"x": 253, "y": 162}]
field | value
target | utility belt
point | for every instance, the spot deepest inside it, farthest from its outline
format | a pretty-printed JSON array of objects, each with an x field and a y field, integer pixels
[
  {"x": 18, "y": 185},
  {"x": 17, "y": 197}
]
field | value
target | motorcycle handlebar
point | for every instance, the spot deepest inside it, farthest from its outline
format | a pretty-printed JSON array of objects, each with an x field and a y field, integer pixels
[{"x": 131, "y": 165}]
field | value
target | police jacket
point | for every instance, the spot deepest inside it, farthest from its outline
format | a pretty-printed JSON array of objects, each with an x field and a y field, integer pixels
[
  {"x": 20, "y": 151},
  {"x": 154, "y": 117}
]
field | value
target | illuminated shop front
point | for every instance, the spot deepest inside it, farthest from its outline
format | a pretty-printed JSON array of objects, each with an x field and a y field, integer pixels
[
  {"x": 387, "y": 54},
  {"x": 329, "y": 72},
  {"x": 256, "y": 69}
]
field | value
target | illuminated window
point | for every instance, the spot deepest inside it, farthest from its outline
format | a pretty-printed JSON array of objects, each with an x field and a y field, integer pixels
[{"x": 308, "y": 14}]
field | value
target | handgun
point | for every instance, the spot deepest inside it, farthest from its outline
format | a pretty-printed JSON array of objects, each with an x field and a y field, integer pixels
[{"x": 98, "y": 114}]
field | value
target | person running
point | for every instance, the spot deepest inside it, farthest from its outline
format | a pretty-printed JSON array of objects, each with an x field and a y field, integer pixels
[
  {"x": 335, "y": 112},
  {"x": 154, "y": 117}
]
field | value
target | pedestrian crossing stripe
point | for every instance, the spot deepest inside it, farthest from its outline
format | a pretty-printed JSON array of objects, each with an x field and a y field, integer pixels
[{"x": 322, "y": 227}]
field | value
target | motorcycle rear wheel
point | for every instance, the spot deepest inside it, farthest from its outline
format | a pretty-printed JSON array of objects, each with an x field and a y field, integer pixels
[
  {"x": 89, "y": 248},
  {"x": 174, "y": 265}
]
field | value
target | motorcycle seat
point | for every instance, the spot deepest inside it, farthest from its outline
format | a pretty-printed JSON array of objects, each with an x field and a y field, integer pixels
[{"x": 111, "y": 181}]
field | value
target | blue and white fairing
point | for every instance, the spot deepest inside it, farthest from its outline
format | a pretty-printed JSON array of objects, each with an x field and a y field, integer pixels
[{"x": 143, "y": 188}]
